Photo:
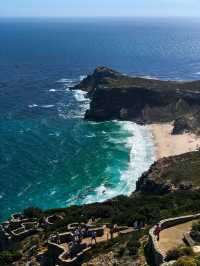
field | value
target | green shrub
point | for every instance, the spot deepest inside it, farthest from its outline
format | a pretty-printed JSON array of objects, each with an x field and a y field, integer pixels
[
  {"x": 125, "y": 210},
  {"x": 33, "y": 212},
  {"x": 98, "y": 210},
  {"x": 196, "y": 227},
  {"x": 133, "y": 251},
  {"x": 120, "y": 252},
  {"x": 197, "y": 259},
  {"x": 195, "y": 235},
  {"x": 134, "y": 244},
  {"x": 176, "y": 253},
  {"x": 173, "y": 254},
  {"x": 186, "y": 251},
  {"x": 8, "y": 257},
  {"x": 185, "y": 261}
]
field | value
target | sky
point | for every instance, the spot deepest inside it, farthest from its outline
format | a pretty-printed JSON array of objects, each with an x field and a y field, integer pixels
[{"x": 92, "y": 8}]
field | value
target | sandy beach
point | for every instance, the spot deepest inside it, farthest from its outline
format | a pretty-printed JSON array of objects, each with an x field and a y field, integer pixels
[{"x": 169, "y": 145}]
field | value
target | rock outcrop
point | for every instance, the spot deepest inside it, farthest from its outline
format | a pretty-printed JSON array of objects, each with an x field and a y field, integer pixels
[
  {"x": 151, "y": 181},
  {"x": 100, "y": 75},
  {"x": 117, "y": 96},
  {"x": 187, "y": 123},
  {"x": 170, "y": 174}
]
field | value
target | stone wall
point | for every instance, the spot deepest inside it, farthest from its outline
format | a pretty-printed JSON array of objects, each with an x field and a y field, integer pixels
[
  {"x": 158, "y": 256},
  {"x": 54, "y": 251}
]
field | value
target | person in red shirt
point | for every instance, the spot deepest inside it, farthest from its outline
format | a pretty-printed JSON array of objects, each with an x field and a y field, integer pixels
[{"x": 157, "y": 232}]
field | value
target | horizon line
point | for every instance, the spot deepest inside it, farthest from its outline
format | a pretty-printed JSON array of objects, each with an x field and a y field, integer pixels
[{"x": 100, "y": 17}]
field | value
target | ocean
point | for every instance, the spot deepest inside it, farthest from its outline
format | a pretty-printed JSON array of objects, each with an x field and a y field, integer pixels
[{"x": 49, "y": 156}]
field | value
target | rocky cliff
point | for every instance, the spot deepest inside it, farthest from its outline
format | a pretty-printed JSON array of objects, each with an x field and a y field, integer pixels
[
  {"x": 170, "y": 174},
  {"x": 188, "y": 123},
  {"x": 117, "y": 96}
]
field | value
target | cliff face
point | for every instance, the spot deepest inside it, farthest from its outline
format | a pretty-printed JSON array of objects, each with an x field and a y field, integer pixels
[
  {"x": 180, "y": 172},
  {"x": 187, "y": 123},
  {"x": 140, "y": 104},
  {"x": 116, "y": 96}
]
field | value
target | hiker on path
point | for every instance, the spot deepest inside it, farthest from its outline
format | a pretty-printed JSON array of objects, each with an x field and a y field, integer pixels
[
  {"x": 77, "y": 235},
  {"x": 135, "y": 225},
  {"x": 93, "y": 237},
  {"x": 111, "y": 232},
  {"x": 157, "y": 232}
]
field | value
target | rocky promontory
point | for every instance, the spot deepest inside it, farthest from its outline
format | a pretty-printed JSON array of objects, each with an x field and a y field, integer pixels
[{"x": 141, "y": 100}]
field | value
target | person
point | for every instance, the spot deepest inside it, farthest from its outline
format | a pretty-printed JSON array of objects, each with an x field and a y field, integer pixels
[
  {"x": 106, "y": 231},
  {"x": 111, "y": 231},
  {"x": 83, "y": 233},
  {"x": 86, "y": 230},
  {"x": 80, "y": 233},
  {"x": 157, "y": 231},
  {"x": 76, "y": 235},
  {"x": 93, "y": 237},
  {"x": 104, "y": 192},
  {"x": 135, "y": 224},
  {"x": 57, "y": 238},
  {"x": 140, "y": 224},
  {"x": 115, "y": 228}
]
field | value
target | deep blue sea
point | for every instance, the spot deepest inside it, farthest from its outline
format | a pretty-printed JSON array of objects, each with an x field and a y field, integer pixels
[{"x": 49, "y": 156}]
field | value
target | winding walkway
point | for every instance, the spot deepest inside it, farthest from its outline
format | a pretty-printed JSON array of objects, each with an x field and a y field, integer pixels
[
  {"x": 172, "y": 237},
  {"x": 106, "y": 236}
]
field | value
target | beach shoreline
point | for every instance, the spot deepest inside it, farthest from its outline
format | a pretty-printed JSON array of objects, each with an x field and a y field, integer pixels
[{"x": 167, "y": 144}]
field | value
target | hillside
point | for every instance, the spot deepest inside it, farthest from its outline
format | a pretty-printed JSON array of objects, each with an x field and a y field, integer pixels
[{"x": 180, "y": 172}]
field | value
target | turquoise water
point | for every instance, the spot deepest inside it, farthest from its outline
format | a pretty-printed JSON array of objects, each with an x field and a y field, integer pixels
[
  {"x": 49, "y": 156},
  {"x": 52, "y": 162}
]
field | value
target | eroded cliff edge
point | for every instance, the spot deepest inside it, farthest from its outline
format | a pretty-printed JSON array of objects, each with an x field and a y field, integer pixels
[
  {"x": 175, "y": 173},
  {"x": 117, "y": 96}
]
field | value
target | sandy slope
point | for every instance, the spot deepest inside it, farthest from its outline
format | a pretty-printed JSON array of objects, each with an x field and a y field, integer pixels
[{"x": 168, "y": 145}]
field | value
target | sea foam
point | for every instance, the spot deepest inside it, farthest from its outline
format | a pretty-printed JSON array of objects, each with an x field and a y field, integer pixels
[{"x": 142, "y": 155}]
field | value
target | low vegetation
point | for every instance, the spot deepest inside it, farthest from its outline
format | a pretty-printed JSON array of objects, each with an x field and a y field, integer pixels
[
  {"x": 195, "y": 233},
  {"x": 178, "y": 252},
  {"x": 8, "y": 257},
  {"x": 184, "y": 168},
  {"x": 186, "y": 261},
  {"x": 184, "y": 256},
  {"x": 33, "y": 212},
  {"x": 125, "y": 210}
]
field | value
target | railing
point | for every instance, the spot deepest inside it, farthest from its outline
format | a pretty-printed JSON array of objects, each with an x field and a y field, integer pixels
[{"x": 158, "y": 255}]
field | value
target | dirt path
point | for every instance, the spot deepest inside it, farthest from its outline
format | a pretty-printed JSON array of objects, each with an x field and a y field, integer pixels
[
  {"x": 106, "y": 236},
  {"x": 173, "y": 237}
]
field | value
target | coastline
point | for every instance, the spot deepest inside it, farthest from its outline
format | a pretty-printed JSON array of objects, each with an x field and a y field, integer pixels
[{"x": 171, "y": 145}]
